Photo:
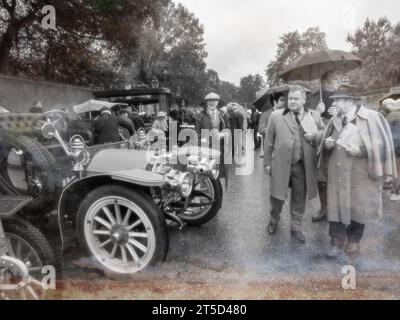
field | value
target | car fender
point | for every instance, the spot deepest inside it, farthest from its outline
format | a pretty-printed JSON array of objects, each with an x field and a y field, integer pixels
[{"x": 79, "y": 188}]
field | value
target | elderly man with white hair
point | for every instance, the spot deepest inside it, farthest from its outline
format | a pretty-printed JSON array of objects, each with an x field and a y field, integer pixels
[{"x": 387, "y": 107}]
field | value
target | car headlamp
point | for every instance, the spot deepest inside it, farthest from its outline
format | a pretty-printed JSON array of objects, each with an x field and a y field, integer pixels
[
  {"x": 185, "y": 184},
  {"x": 203, "y": 166},
  {"x": 181, "y": 182}
]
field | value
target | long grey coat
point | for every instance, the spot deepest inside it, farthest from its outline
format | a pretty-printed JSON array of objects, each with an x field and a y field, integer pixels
[
  {"x": 355, "y": 184},
  {"x": 278, "y": 146}
]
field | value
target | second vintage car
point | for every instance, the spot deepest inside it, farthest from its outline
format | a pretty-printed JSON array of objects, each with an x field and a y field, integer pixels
[{"x": 113, "y": 199}]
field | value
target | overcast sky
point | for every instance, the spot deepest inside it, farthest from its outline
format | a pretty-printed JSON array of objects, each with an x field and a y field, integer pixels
[{"x": 241, "y": 36}]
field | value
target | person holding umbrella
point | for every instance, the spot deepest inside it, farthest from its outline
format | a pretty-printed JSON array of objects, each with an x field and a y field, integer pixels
[
  {"x": 329, "y": 67},
  {"x": 357, "y": 147},
  {"x": 330, "y": 81},
  {"x": 290, "y": 159}
]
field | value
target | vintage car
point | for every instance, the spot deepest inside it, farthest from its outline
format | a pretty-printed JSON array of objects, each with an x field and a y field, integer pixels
[
  {"x": 113, "y": 199},
  {"x": 148, "y": 101}
]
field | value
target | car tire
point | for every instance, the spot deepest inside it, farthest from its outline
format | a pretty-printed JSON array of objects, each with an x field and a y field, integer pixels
[
  {"x": 43, "y": 162},
  {"x": 110, "y": 258},
  {"x": 198, "y": 220},
  {"x": 31, "y": 238}
]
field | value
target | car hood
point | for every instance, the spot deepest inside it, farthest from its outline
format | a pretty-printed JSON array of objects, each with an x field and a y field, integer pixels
[{"x": 112, "y": 160}]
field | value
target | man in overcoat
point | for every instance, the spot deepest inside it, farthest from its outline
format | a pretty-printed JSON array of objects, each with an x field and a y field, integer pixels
[
  {"x": 356, "y": 170},
  {"x": 290, "y": 159}
]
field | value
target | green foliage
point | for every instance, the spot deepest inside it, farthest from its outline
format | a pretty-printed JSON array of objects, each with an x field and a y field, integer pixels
[
  {"x": 249, "y": 86},
  {"x": 226, "y": 90},
  {"x": 291, "y": 46},
  {"x": 377, "y": 43},
  {"x": 174, "y": 52},
  {"x": 85, "y": 48}
]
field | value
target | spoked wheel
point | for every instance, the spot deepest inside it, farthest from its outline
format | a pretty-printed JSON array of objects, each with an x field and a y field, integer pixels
[
  {"x": 204, "y": 202},
  {"x": 122, "y": 230},
  {"x": 23, "y": 251},
  {"x": 16, "y": 283},
  {"x": 27, "y": 244}
]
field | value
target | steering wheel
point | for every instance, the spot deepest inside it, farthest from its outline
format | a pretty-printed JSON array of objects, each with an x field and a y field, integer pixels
[{"x": 55, "y": 117}]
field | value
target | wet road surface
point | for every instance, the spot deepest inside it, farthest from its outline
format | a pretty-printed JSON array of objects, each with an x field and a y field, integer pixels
[{"x": 233, "y": 257}]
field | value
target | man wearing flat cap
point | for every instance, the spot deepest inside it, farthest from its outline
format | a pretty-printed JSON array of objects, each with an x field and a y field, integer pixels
[
  {"x": 357, "y": 148},
  {"x": 215, "y": 121}
]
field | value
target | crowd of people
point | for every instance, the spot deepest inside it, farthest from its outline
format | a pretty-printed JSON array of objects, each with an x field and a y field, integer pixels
[{"x": 324, "y": 144}]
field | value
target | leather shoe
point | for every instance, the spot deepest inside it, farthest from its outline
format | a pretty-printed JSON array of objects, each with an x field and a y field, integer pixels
[
  {"x": 298, "y": 236},
  {"x": 318, "y": 217},
  {"x": 272, "y": 228},
  {"x": 335, "y": 253},
  {"x": 336, "y": 250},
  {"x": 352, "y": 249}
]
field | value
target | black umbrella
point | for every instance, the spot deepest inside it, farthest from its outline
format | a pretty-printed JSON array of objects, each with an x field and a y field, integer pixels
[
  {"x": 314, "y": 65},
  {"x": 265, "y": 97}
]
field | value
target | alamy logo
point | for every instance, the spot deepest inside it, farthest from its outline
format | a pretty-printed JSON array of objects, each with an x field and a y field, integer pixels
[
  {"x": 349, "y": 280},
  {"x": 49, "y": 279},
  {"x": 49, "y": 20}
]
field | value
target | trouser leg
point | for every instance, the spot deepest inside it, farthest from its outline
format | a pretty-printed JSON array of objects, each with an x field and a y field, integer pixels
[
  {"x": 262, "y": 145},
  {"x": 396, "y": 186},
  {"x": 323, "y": 196},
  {"x": 338, "y": 231},
  {"x": 276, "y": 209},
  {"x": 355, "y": 232},
  {"x": 255, "y": 136},
  {"x": 298, "y": 197}
]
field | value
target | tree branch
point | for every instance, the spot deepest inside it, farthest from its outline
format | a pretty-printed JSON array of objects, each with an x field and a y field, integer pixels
[{"x": 6, "y": 5}]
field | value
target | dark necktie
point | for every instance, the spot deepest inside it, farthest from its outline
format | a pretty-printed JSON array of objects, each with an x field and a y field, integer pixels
[
  {"x": 345, "y": 121},
  {"x": 297, "y": 117}
]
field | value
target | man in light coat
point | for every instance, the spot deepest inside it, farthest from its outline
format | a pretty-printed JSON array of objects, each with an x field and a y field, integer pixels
[
  {"x": 356, "y": 166},
  {"x": 290, "y": 159}
]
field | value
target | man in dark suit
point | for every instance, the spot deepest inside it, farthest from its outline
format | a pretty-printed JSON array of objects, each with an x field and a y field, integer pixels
[
  {"x": 290, "y": 159},
  {"x": 278, "y": 101},
  {"x": 330, "y": 82},
  {"x": 107, "y": 127},
  {"x": 254, "y": 123}
]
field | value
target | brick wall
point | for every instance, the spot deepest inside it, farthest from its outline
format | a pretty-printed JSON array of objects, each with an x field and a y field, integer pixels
[{"x": 17, "y": 95}]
